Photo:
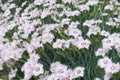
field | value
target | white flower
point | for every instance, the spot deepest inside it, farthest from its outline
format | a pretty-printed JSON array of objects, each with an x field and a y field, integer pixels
[
  {"x": 65, "y": 21},
  {"x": 27, "y": 28},
  {"x": 5, "y": 55},
  {"x": 76, "y": 41},
  {"x": 89, "y": 23},
  {"x": 32, "y": 46},
  {"x": 111, "y": 23},
  {"x": 92, "y": 2},
  {"x": 117, "y": 42},
  {"x": 72, "y": 13},
  {"x": 34, "y": 13},
  {"x": 104, "y": 14},
  {"x": 38, "y": 2},
  {"x": 48, "y": 27},
  {"x": 69, "y": 74},
  {"x": 73, "y": 24},
  {"x": 75, "y": 13},
  {"x": 34, "y": 57},
  {"x": 47, "y": 37},
  {"x": 27, "y": 75},
  {"x": 84, "y": 44},
  {"x": 52, "y": 77},
  {"x": 11, "y": 51},
  {"x": 104, "y": 33},
  {"x": 118, "y": 50},
  {"x": 98, "y": 21},
  {"x": 117, "y": 19},
  {"x": 107, "y": 76},
  {"x": 84, "y": 7},
  {"x": 12, "y": 6},
  {"x": 104, "y": 62},
  {"x": 38, "y": 69},
  {"x": 93, "y": 30},
  {"x": 114, "y": 0},
  {"x": 79, "y": 42},
  {"x": 74, "y": 32},
  {"x": 31, "y": 67},
  {"x": 12, "y": 74},
  {"x": 78, "y": 72},
  {"x": 66, "y": 44},
  {"x": 44, "y": 76},
  {"x": 107, "y": 43},
  {"x": 58, "y": 43},
  {"x": 28, "y": 66},
  {"x": 109, "y": 7},
  {"x": 59, "y": 69},
  {"x": 112, "y": 68},
  {"x": 53, "y": 66},
  {"x": 114, "y": 35},
  {"x": 101, "y": 52},
  {"x": 67, "y": 1},
  {"x": 6, "y": 13},
  {"x": 45, "y": 13}
]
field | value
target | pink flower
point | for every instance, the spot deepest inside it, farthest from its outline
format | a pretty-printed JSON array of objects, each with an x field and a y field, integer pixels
[
  {"x": 108, "y": 43},
  {"x": 101, "y": 52},
  {"x": 112, "y": 68},
  {"x": 78, "y": 72},
  {"x": 104, "y": 62},
  {"x": 38, "y": 69}
]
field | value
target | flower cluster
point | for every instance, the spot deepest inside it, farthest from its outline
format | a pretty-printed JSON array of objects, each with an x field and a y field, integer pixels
[
  {"x": 32, "y": 67},
  {"x": 62, "y": 72},
  {"x": 60, "y": 39}
]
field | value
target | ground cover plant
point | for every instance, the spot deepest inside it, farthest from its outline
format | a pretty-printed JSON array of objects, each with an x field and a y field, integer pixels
[{"x": 59, "y": 40}]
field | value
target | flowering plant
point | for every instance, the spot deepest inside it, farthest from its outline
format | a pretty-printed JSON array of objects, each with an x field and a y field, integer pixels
[{"x": 59, "y": 40}]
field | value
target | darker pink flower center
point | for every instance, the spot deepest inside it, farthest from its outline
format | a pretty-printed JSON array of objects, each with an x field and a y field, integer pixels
[
  {"x": 108, "y": 41},
  {"x": 105, "y": 61},
  {"x": 79, "y": 71},
  {"x": 37, "y": 69},
  {"x": 113, "y": 68},
  {"x": 60, "y": 71}
]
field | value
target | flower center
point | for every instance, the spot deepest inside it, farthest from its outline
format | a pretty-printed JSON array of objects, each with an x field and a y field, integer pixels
[
  {"x": 100, "y": 51},
  {"x": 105, "y": 62},
  {"x": 83, "y": 44},
  {"x": 37, "y": 69},
  {"x": 113, "y": 68},
  {"x": 79, "y": 71},
  {"x": 108, "y": 41},
  {"x": 60, "y": 71},
  {"x": 74, "y": 32}
]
